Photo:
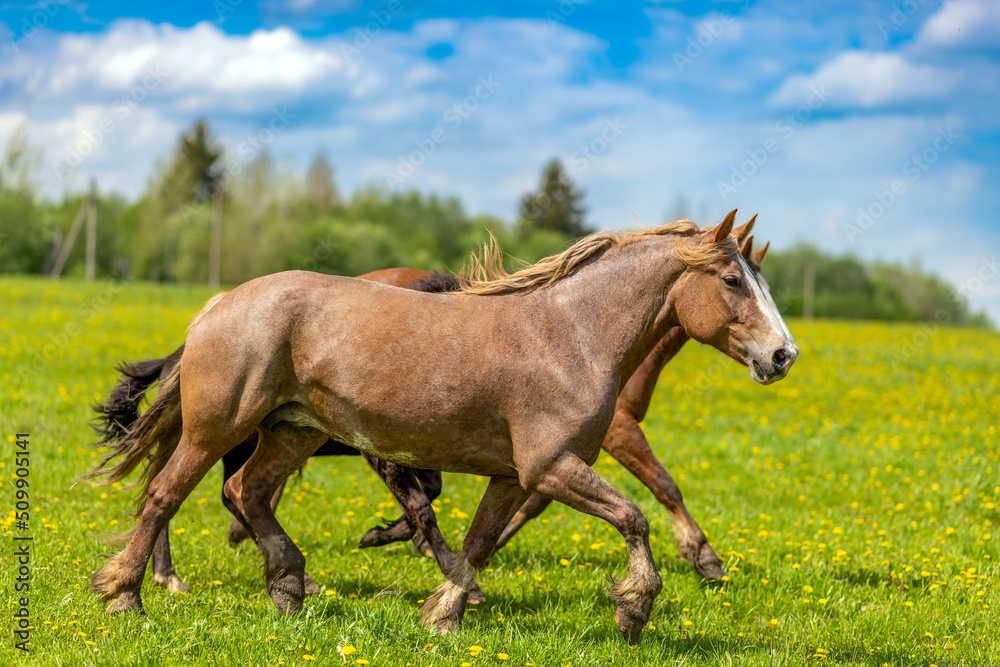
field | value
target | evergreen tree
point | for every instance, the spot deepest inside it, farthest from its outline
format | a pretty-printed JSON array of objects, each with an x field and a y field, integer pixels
[
  {"x": 175, "y": 201},
  {"x": 556, "y": 206},
  {"x": 320, "y": 187},
  {"x": 193, "y": 171}
]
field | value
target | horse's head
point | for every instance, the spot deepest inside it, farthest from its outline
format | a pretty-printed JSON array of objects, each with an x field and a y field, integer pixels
[
  {"x": 722, "y": 301},
  {"x": 754, "y": 260}
]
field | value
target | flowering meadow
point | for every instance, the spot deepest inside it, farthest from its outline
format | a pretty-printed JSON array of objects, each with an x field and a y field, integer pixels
[{"x": 856, "y": 505}]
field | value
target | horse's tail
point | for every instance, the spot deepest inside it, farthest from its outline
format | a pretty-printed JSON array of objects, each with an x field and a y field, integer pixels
[
  {"x": 153, "y": 438},
  {"x": 121, "y": 410}
]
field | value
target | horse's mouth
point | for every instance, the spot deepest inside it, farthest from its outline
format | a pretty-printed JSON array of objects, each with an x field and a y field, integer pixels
[{"x": 757, "y": 372}]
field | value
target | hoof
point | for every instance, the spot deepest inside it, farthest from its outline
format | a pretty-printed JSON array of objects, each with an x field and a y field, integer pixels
[
  {"x": 375, "y": 537},
  {"x": 171, "y": 582},
  {"x": 311, "y": 587},
  {"x": 399, "y": 531},
  {"x": 630, "y": 622},
  {"x": 444, "y": 609},
  {"x": 287, "y": 593},
  {"x": 633, "y": 604},
  {"x": 126, "y": 602},
  {"x": 476, "y": 595},
  {"x": 446, "y": 625},
  {"x": 236, "y": 533},
  {"x": 709, "y": 565}
]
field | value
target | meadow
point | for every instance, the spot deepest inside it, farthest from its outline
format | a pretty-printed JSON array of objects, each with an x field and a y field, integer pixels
[{"x": 855, "y": 505}]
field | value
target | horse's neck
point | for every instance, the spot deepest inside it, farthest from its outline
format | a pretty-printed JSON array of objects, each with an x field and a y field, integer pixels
[{"x": 618, "y": 303}]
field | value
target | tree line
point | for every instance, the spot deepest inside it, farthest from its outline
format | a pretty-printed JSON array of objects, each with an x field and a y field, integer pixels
[{"x": 275, "y": 221}]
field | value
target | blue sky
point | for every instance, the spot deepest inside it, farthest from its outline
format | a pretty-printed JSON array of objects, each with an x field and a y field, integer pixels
[{"x": 869, "y": 127}]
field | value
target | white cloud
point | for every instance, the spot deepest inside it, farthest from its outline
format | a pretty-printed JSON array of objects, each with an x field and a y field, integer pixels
[
  {"x": 963, "y": 24},
  {"x": 200, "y": 60},
  {"x": 862, "y": 79}
]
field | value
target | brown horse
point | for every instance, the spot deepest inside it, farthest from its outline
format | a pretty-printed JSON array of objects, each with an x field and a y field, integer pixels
[
  {"x": 626, "y": 442},
  {"x": 121, "y": 411},
  {"x": 515, "y": 378}
]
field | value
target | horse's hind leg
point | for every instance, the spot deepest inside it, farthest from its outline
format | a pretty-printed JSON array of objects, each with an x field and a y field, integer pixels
[
  {"x": 445, "y": 607},
  {"x": 532, "y": 507},
  {"x": 430, "y": 482},
  {"x": 279, "y": 453},
  {"x": 163, "y": 565},
  {"x": 627, "y": 443},
  {"x": 571, "y": 481},
  {"x": 120, "y": 578},
  {"x": 403, "y": 528},
  {"x": 402, "y": 482},
  {"x": 232, "y": 461}
]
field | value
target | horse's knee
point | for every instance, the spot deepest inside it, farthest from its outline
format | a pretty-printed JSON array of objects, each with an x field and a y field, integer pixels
[{"x": 635, "y": 523}]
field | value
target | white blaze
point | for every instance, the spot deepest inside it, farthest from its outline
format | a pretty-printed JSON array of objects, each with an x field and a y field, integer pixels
[
  {"x": 765, "y": 304},
  {"x": 770, "y": 300}
]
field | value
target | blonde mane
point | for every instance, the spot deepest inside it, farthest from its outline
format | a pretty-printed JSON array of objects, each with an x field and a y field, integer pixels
[{"x": 484, "y": 272}]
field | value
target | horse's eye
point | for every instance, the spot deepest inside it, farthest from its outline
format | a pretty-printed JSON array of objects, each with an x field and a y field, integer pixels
[{"x": 732, "y": 281}]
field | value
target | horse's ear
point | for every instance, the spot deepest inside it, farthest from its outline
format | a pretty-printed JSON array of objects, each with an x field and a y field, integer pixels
[
  {"x": 743, "y": 231},
  {"x": 747, "y": 249},
  {"x": 725, "y": 227},
  {"x": 759, "y": 255}
]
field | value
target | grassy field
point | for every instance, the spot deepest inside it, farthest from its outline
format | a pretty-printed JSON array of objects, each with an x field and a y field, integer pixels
[{"x": 855, "y": 505}]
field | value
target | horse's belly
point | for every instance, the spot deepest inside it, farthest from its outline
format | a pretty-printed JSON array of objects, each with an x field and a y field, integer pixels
[{"x": 437, "y": 450}]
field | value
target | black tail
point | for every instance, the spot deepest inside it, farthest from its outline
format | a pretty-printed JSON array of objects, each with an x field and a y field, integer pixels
[
  {"x": 153, "y": 438},
  {"x": 120, "y": 412}
]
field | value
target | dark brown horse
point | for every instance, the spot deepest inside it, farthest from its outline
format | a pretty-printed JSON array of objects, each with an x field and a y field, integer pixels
[
  {"x": 413, "y": 489},
  {"x": 516, "y": 378}
]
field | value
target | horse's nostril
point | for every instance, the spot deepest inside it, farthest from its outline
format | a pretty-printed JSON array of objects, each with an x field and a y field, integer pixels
[{"x": 779, "y": 358}]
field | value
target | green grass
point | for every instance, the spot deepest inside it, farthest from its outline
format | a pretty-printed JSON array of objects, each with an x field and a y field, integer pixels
[{"x": 855, "y": 504}]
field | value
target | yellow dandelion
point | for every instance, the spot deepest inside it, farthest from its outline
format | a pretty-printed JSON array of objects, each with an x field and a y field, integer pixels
[{"x": 348, "y": 650}]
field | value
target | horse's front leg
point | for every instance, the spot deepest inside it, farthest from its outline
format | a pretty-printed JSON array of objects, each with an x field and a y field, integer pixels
[
  {"x": 571, "y": 481},
  {"x": 627, "y": 443}
]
